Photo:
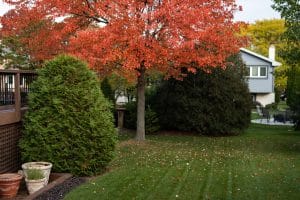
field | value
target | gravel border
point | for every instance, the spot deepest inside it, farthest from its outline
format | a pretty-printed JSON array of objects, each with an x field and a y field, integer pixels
[{"x": 59, "y": 191}]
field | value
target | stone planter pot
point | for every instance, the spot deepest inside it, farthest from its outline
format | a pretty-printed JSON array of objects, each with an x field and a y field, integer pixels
[
  {"x": 34, "y": 185},
  {"x": 45, "y": 167},
  {"x": 9, "y": 185}
]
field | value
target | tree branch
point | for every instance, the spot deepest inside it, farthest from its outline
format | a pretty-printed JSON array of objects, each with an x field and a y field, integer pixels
[{"x": 95, "y": 18}]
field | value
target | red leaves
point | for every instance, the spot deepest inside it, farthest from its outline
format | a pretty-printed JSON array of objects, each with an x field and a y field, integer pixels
[{"x": 161, "y": 35}]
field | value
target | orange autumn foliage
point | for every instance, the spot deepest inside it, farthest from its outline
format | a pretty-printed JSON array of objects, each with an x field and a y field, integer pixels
[{"x": 125, "y": 35}]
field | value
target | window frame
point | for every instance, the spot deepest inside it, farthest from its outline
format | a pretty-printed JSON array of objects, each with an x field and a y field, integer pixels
[{"x": 258, "y": 71}]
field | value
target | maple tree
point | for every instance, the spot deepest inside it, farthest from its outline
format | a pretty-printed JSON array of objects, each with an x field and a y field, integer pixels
[{"x": 130, "y": 36}]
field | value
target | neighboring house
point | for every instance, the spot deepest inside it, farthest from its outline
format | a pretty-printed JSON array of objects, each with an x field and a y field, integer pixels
[{"x": 260, "y": 75}]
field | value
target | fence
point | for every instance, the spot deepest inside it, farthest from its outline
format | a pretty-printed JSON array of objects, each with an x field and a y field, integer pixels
[{"x": 14, "y": 89}]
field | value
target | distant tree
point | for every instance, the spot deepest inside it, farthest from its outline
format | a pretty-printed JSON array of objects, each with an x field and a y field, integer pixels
[
  {"x": 263, "y": 33},
  {"x": 290, "y": 11},
  {"x": 131, "y": 37},
  {"x": 13, "y": 55}
]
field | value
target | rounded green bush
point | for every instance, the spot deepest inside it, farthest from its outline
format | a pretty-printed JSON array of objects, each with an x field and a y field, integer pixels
[
  {"x": 216, "y": 103},
  {"x": 69, "y": 122}
]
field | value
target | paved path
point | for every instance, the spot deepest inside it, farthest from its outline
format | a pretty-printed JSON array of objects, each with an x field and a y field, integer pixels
[{"x": 271, "y": 122}]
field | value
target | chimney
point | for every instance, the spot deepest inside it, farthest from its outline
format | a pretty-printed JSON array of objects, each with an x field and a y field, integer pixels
[{"x": 272, "y": 52}]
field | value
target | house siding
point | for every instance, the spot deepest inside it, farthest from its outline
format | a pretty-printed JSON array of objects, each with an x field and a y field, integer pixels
[
  {"x": 265, "y": 99},
  {"x": 259, "y": 85}
]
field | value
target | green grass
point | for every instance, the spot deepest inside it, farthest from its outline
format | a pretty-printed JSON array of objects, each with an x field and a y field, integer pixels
[
  {"x": 263, "y": 163},
  {"x": 255, "y": 115}
]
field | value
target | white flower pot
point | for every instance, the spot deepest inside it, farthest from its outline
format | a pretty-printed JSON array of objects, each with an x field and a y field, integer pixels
[
  {"x": 34, "y": 185},
  {"x": 45, "y": 167}
]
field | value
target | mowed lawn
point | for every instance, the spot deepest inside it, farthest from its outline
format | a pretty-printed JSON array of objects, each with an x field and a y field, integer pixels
[{"x": 263, "y": 163}]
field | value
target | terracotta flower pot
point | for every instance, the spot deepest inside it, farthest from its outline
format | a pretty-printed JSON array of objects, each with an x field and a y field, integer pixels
[{"x": 9, "y": 184}]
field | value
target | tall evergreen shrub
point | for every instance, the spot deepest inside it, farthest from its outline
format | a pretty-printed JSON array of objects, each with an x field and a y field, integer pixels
[
  {"x": 69, "y": 122},
  {"x": 293, "y": 93},
  {"x": 214, "y": 103}
]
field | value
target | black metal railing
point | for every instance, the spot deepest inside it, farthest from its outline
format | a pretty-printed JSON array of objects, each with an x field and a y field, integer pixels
[
  {"x": 25, "y": 83},
  {"x": 9, "y": 86}
]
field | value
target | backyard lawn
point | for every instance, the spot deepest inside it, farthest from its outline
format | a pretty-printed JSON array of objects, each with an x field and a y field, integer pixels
[{"x": 263, "y": 163}]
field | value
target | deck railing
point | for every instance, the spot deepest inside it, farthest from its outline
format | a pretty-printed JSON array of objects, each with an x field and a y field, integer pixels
[{"x": 14, "y": 89}]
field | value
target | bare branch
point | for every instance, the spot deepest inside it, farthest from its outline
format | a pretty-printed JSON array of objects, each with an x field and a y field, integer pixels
[{"x": 86, "y": 15}]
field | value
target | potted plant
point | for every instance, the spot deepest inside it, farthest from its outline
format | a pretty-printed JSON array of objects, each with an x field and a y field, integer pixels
[
  {"x": 35, "y": 180},
  {"x": 9, "y": 185},
  {"x": 45, "y": 167}
]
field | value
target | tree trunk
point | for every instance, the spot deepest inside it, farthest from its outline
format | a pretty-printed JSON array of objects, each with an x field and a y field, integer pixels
[{"x": 140, "y": 124}]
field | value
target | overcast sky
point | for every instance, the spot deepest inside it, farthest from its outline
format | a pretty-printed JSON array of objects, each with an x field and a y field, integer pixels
[
  {"x": 256, "y": 10},
  {"x": 3, "y": 7},
  {"x": 252, "y": 10}
]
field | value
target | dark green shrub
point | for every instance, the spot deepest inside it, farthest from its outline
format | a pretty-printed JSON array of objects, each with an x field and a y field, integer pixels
[
  {"x": 130, "y": 115},
  {"x": 107, "y": 90},
  {"x": 271, "y": 106},
  {"x": 215, "y": 103},
  {"x": 151, "y": 119},
  {"x": 69, "y": 122},
  {"x": 277, "y": 95},
  {"x": 109, "y": 94},
  {"x": 255, "y": 104},
  {"x": 293, "y": 93}
]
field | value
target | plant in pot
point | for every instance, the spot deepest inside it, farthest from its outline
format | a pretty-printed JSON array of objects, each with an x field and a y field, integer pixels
[
  {"x": 45, "y": 167},
  {"x": 35, "y": 180}
]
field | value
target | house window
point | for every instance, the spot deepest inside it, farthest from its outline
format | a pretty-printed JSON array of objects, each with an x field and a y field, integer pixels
[
  {"x": 263, "y": 71},
  {"x": 257, "y": 71},
  {"x": 248, "y": 71},
  {"x": 254, "y": 72}
]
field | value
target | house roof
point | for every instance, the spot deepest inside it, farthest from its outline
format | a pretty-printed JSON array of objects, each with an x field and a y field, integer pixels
[{"x": 274, "y": 63}]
